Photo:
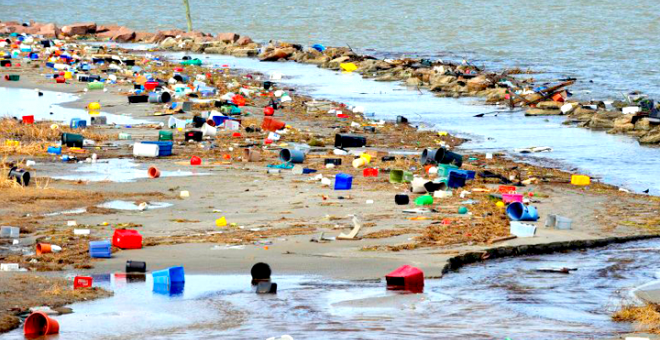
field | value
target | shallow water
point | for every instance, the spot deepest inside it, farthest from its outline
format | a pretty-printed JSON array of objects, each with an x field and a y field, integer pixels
[
  {"x": 612, "y": 43},
  {"x": 492, "y": 300},
  {"x": 126, "y": 205},
  {"x": 115, "y": 170},
  {"x": 23, "y": 102}
]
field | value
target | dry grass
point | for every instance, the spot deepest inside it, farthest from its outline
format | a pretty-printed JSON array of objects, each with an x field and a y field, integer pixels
[
  {"x": 229, "y": 236},
  {"x": 647, "y": 316}
]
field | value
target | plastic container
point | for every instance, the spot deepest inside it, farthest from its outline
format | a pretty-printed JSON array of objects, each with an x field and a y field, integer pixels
[
  {"x": 28, "y": 119},
  {"x": 456, "y": 179},
  {"x": 407, "y": 278},
  {"x": 72, "y": 140},
  {"x": 159, "y": 97},
  {"x": 100, "y": 249},
  {"x": 581, "y": 180},
  {"x": 439, "y": 184},
  {"x": 506, "y": 189},
  {"x": 169, "y": 276},
  {"x": 77, "y": 123},
  {"x": 520, "y": 212},
  {"x": 194, "y": 160},
  {"x": 219, "y": 120},
  {"x": 40, "y": 324},
  {"x": 424, "y": 200},
  {"x": 370, "y": 172},
  {"x": 334, "y": 161},
  {"x": 271, "y": 124},
  {"x": 10, "y": 232},
  {"x": 510, "y": 198},
  {"x": 208, "y": 130},
  {"x": 54, "y": 150},
  {"x": 444, "y": 169},
  {"x": 165, "y": 136},
  {"x": 164, "y": 148},
  {"x": 195, "y": 62},
  {"x": 153, "y": 172},
  {"x": 343, "y": 182},
  {"x": 145, "y": 150},
  {"x": 95, "y": 86},
  {"x": 441, "y": 156},
  {"x": 292, "y": 156},
  {"x": 12, "y": 77},
  {"x": 401, "y": 199},
  {"x": 150, "y": 86},
  {"x": 136, "y": 267},
  {"x": 82, "y": 282},
  {"x": 138, "y": 99},
  {"x": 469, "y": 173},
  {"x": 124, "y": 136},
  {"x": 193, "y": 135},
  {"x": 349, "y": 141},
  {"x": 21, "y": 176},
  {"x": 127, "y": 239}
]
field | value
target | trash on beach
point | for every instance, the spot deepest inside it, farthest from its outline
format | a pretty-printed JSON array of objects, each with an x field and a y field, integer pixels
[
  {"x": 406, "y": 278},
  {"x": 558, "y": 222},
  {"x": 518, "y": 211},
  {"x": 352, "y": 235},
  {"x": 580, "y": 180},
  {"x": 127, "y": 239},
  {"x": 266, "y": 288},
  {"x": 100, "y": 249},
  {"x": 535, "y": 149},
  {"x": 45, "y": 248},
  {"x": 10, "y": 232},
  {"x": 522, "y": 229},
  {"x": 39, "y": 324},
  {"x": 9, "y": 267},
  {"x": 82, "y": 282},
  {"x": 562, "y": 270}
]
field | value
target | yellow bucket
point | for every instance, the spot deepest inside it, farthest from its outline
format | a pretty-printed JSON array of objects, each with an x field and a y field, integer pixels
[
  {"x": 580, "y": 180},
  {"x": 68, "y": 75},
  {"x": 366, "y": 157},
  {"x": 348, "y": 67}
]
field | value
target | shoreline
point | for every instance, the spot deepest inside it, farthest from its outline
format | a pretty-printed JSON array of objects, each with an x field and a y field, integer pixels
[{"x": 293, "y": 252}]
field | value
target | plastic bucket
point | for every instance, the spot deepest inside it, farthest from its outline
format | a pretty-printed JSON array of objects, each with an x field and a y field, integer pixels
[
  {"x": 39, "y": 323},
  {"x": 208, "y": 130},
  {"x": 136, "y": 266},
  {"x": 520, "y": 212},
  {"x": 198, "y": 122},
  {"x": 418, "y": 185},
  {"x": 43, "y": 248},
  {"x": 145, "y": 150},
  {"x": 251, "y": 155},
  {"x": 396, "y": 176},
  {"x": 292, "y": 156},
  {"x": 99, "y": 120},
  {"x": 349, "y": 141},
  {"x": 169, "y": 276},
  {"x": 270, "y": 124},
  {"x": 28, "y": 119},
  {"x": 456, "y": 179},
  {"x": 153, "y": 172},
  {"x": 434, "y": 186},
  {"x": 159, "y": 97},
  {"x": 21, "y": 176},
  {"x": 441, "y": 156},
  {"x": 401, "y": 199},
  {"x": 194, "y": 135}
]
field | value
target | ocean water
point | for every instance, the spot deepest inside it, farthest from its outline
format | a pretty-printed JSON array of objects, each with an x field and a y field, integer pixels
[{"x": 610, "y": 45}]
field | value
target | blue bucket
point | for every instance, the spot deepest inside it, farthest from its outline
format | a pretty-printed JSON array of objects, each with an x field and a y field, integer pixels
[
  {"x": 100, "y": 249},
  {"x": 54, "y": 150},
  {"x": 219, "y": 120},
  {"x": 292, "y": 156},
  {"x": 520, "y": 212},
  {"x": 164, "y": 148},
  {"x": 469, "y": 173}
]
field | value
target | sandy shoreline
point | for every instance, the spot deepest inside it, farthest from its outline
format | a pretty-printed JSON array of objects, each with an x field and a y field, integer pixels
[{"x": 250, "y": 197}]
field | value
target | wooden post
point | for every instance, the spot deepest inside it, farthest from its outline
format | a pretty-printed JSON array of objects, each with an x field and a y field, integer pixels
[{"x": 188, "y": 18}]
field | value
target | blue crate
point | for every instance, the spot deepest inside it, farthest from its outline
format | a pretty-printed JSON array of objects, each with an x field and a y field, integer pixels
[{"x": 100, "y": 249}]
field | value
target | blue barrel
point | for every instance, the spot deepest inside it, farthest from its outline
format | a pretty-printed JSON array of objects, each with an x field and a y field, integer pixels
[
  {"x": 165, "y": 148},
  {"x": 520, "y": 212}
]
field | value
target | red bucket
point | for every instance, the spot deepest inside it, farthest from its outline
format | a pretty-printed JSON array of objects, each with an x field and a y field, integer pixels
[
  {"x": 28, "y": 119},
  {"x": 150, "y": 85},
  {"x": 407, "y": 278}
]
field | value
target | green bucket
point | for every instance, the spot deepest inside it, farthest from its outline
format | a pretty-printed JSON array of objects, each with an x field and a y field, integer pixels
[
  {"x": 400, "y": 176},
  {"x": 165, "y": 136},
  {"x": 13, "y": 77}
]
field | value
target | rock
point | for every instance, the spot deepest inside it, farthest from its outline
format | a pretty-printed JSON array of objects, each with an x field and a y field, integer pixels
[
  {"x": 603, "y": 120},
  {"x": 334, "y": 63},
  {"x": 106, "y": 28},
  {"x": 227, "y": 37},
  {"x": 162, "y": 35},
  {"x": 243, "y": 40},
  {"x": 413, "y": 81},
  {"x": 496, "y": 95},
  {"x": 277, "y": 54},
  {"x": 622, "y": 125},
  {"x": 550, "y": 105},
  {"x": 245, "y": 52},
  {"x": 49, "y": 31},
  {"x": 542, "y": 112},
  {"x": 169, "y": 42},
  {"x": 124, "y": 35},
  {"x": 144, "y": 36},
  {"x": 216, "y": 50},
  {"x": 79, "y": 29},
  {"x": 478, "y": 83},
  {"x": 643, "y": 124},
  {"x": 652, "y": 137},
  {"x": 439, "y": 82}
]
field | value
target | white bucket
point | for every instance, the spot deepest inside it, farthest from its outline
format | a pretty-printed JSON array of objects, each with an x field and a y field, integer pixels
[
  {"x": 418, "y": 185},
  {"x": 522, "y": 229},
  {"x": 176, "y": 123},
  {"x": 145, "y": 150},
  {"x": 208, "y": 130}
]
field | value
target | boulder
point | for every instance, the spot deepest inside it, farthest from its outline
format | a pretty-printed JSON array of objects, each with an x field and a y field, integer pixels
[
  {"x": 229, "y": 38},
  {"x": 277, "y": 54},
  {"x": 123, "y": 35},
  {"x": 604, "y": 120},
  {"x": 243, "y": 40},
  {"x": 144, "y": 36},
  {"x": 652, "y": 137},
  {"x": 478, "y": 83},
  {"x": 245, "y": 52},
  {"x": 49, "y": 31},
  {"x": 216, "y": 50},
  {"x": 622, "y": 124},
  {"x": 160, "y": 36},
  {"x": 550, "y": 105},
  {"x": 168, "y": 42},
  {"x": 106, "y": 28},
  {"x": 79, "y": 29}
]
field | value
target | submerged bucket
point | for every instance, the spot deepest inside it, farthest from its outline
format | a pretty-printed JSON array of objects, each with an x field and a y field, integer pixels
[
  {"x": 520, "y": 212},
  {"x": 292, "y": 156}
]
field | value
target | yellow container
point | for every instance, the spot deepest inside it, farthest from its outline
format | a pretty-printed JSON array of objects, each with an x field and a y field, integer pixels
[
  {"x": 12, "y": 143},
  {"x": 221, "y": 222},
  {"x": 68, "y": 75},
  {"x": 580, "y": 180},
  {"x": 94, "y": 106},
  {"x": 366, "y": 157},
  {"x": 348, "y": 67}
]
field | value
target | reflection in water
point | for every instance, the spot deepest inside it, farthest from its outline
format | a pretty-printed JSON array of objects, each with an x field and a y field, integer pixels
[{"x": 497, "y": 299}]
